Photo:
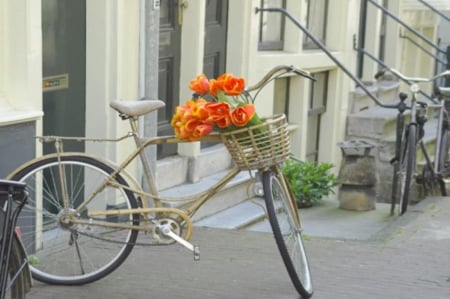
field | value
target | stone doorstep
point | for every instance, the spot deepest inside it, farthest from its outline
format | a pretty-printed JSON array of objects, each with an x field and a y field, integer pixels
[
  {"x": 372, "y": 123},
  {"x": 236, "y": 191},
  {"x": 239, "y": 216},
  {"x": 386, "y": 91},
  {"x": 177, "y": 170}
]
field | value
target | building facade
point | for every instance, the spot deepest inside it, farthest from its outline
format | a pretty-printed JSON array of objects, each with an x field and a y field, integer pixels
[{"x": 128, "y": 49}]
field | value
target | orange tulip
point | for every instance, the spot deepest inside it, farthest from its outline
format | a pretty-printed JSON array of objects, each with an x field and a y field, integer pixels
[
  {"x": 200, "y": 84},
  {"x": 214, "y": 87},
  {"x": 231, "y": 85},
  {"x": 219, "y": 113},
  {"x": 200, "y": 131},
  {"x": 199, "y": 111},
  {"x": 242, "y": 115}
]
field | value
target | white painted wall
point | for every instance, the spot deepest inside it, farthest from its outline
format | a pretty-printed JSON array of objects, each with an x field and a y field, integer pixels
[
  {"x": 113, "y": 63},
  {"x": 20, "y": 62},
  {"x": 112, "y": 71}
]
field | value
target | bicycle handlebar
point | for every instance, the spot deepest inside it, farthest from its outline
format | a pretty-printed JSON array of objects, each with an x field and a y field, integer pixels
[{"x": 278, "y": 71}]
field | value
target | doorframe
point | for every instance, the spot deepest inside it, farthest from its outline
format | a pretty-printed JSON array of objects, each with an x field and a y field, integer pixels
[
  {"x": 112, "y": 70},
  {"x": 193, "y": 19}
]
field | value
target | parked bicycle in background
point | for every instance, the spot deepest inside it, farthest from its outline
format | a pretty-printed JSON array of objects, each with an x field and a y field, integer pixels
[
  {"x": 410, "y": 134},
  {"x": 15, "y": 277}
]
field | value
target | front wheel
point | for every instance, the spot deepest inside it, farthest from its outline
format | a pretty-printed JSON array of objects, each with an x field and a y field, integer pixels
[
  {"x": 283, "y": 217},
  {"x": 64, "y": 244}
]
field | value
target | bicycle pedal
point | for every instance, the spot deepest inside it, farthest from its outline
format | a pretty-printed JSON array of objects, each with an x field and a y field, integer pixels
[{"x": 196, "y": 253}]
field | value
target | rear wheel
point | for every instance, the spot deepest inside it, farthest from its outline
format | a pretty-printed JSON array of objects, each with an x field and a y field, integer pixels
[
  {"x": 61, "y": 249},
  {"x": 283, "y": 217}
]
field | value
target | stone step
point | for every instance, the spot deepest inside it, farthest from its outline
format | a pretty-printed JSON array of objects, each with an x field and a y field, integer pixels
[
  {"x": 379, "y": 123},
  {"x": 375, "y": 123},
  {"x": 250, "y": 213},
  {"x": 239, "y": 189},
  {"x": 190, "y": 169},
  {"x": 386, "y": 91}
]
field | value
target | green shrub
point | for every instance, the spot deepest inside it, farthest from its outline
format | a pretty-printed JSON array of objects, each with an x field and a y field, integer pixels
[{"x": 309, "y": 181}]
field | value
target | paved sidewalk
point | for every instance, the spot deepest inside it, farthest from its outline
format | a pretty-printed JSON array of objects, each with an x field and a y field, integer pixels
[{"x": 400, "y": 257}]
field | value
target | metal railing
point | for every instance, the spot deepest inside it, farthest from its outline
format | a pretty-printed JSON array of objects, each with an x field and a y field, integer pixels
[
  {"x": 319, "y": 44},
  {"x": 362, "y": 52},
  {"x": 441, "y": 56}
]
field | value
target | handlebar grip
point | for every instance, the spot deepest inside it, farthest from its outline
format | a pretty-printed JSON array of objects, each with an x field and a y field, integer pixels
[
  {"x": 379, "y": 74},
  {"x": 303, "y": 73}
]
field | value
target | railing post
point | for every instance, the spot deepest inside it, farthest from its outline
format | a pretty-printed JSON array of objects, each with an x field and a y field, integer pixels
[{"x": 361, "y": 38}]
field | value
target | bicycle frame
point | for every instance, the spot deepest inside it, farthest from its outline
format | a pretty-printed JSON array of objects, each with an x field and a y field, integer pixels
[{"x": 191, "y": 204}]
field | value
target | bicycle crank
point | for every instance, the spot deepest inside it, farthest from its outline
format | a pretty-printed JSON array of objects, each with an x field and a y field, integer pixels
[{"x": 166, "y": 230}]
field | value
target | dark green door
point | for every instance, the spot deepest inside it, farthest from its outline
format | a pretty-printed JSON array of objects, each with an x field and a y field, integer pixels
[
  {"x": 169, "y": 71},
  {"x": 64, "y": 69},
  {"x": 170, "y": 53},
  {"x": 214, "y": 60}
]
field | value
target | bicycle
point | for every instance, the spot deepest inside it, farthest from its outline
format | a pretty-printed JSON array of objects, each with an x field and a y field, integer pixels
[
  {"x": 95, "y": 209},
  {"x": 15, "y": 277},
  {"x": 409, "y": 135}
]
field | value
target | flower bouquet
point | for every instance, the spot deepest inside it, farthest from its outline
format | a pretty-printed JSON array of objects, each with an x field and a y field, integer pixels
[{"x": 223, "y": 105}]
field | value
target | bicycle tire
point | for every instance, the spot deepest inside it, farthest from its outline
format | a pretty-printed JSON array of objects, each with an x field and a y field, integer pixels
[
  {"x": 407, "y": 167},
  {"x": 444, "y": 160},
  {"x": 66, "y": 254},
  {"x": 287, "y": 232},
  {"x": 395, "y": 187}
]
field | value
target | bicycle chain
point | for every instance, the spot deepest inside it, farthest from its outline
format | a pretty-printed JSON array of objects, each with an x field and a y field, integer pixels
[{"x": 120, "y": 242}]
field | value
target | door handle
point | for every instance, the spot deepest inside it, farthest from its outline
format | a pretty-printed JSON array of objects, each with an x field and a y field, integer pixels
[{"x": 181, "y": 6}]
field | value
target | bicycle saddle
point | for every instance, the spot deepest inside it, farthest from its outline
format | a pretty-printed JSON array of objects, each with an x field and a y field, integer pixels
[{"x": 136, "y": 108}]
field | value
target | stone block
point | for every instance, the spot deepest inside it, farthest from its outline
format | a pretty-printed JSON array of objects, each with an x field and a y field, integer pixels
[{"x": 357, "y": 198}]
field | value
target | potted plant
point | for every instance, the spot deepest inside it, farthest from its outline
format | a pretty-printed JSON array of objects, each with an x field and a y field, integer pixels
[{"x": 309, "y": 180}]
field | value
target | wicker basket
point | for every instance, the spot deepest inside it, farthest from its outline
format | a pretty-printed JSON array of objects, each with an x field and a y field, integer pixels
[{"x": 259, "y": 146}]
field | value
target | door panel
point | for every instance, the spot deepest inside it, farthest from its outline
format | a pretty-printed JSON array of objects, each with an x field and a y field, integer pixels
[
  {"x": 64, "y": 53},
  {"x": 215, "y": 37},
  {"x": 169, "y": 71},
  {"x": 170, "y": 53},
  {"x": 214, "y": 60}
]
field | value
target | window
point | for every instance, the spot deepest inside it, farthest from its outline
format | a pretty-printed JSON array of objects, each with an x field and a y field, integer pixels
[
  {"x": 316, "y": 22},
  {"x": 271, "y": 26},
  {"x": 317, "y": 106}
]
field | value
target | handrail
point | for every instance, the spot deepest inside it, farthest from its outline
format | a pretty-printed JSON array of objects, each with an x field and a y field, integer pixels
[
  {"x": 384, "y": 65},
  {"x": 417, "y": 33},
  {"x": 435, "y": 10},
  {"x": 441, "y": 61},
  {"x": 327, "y": 52}
]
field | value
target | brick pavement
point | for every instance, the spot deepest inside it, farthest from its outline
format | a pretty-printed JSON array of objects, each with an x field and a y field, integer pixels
[{"x": 408, "y": 259}]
